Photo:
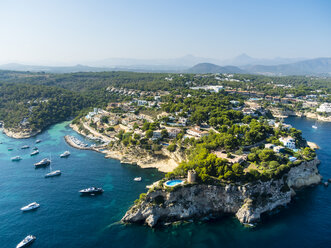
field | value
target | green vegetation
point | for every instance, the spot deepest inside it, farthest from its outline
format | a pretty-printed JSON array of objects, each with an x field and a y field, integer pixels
[{"x": 36, "y": 100}]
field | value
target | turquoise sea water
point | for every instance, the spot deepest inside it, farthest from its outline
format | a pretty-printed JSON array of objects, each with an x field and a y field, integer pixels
[{"x": 67, "y": 220}]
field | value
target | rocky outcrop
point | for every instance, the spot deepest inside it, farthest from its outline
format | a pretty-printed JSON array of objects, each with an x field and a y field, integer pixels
[
  {"x": 317, "y": 117},
  {"x": 304, "y": 174},
  {"x": 20, "y": 134},
  {"x": 163, "y": 160},
  {"x": 247, "y": 201}
]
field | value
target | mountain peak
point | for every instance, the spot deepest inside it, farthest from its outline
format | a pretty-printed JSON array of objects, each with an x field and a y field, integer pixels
[{"x": 243, "y": 56}]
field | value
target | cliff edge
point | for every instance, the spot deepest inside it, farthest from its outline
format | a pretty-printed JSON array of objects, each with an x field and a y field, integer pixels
[{"x": 246, "y": 201}]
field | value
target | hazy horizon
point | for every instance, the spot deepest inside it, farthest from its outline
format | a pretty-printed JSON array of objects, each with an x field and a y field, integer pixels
[{"x": 82, "y": 32}]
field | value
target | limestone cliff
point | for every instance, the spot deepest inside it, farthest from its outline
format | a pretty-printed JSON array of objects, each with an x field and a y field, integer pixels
[
  {"x": 247, "y": 201},
  {"x": 163, "y": 160}
]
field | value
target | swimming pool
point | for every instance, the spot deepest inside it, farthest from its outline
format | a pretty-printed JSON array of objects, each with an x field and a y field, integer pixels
[{"x": 173, "y": 183}]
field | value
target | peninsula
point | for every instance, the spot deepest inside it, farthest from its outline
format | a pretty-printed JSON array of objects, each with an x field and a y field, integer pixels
[{"x": 217, "y": 136}]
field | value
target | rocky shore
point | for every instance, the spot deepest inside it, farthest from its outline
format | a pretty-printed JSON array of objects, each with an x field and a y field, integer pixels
[
  {"x": 21, "y": 134},
  {"x": 247, "y": 202},
  {"x": 278, "y": 113},
  {"x": 164, "y": 160},
  {"x": 317, "y": 117},
  {"x": 143, "y": 158}
]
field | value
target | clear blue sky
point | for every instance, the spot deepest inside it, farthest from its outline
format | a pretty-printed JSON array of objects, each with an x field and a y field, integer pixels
[{"x": 73, "y": 31}]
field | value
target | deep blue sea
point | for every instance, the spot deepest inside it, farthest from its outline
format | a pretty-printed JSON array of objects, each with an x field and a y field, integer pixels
[{"x": 65, "y": 219}]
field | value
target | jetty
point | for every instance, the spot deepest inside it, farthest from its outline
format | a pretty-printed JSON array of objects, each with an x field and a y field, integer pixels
[{"x": 76, "y": 143}]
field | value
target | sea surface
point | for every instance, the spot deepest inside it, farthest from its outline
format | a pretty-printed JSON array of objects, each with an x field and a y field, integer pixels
[{"x": 65, "y": 219}]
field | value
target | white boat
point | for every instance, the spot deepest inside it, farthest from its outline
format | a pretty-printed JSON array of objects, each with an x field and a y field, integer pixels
[
  {"x": 38, "y": 141},
  {"x": 53, "y": 173},
  {"x": 26, "y": 241},
  {"x": 25, "y": 147},
  {"x": 34, "y": 153},
  {"x": 91, "y": 191},
  {"x": 17, "y": 158},
  {"x": 65, "y": 154},
  {"x": 314, "y": 126},
  {"x": 43, "y": 163},
  {"x": 31, "y": 206},
  {"x": 137, "y": 179}
]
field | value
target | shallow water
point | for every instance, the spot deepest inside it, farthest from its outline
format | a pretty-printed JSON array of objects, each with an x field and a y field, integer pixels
[{"x": 66, "y": 219}]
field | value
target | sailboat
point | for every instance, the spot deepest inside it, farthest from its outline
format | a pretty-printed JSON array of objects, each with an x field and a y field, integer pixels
[
  {"x": 314, "y": 126},
  {"x": 53, "y": 173}
]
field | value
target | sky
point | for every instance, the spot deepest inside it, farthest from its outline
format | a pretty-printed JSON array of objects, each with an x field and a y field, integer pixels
[{"x": 78, "y": 31}]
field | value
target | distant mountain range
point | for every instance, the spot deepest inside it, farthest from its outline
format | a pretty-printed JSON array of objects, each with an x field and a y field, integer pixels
[
  {"x": 189, "y": 61},
  {"x": 191, "y": 64},
  {"x": 52, "y": 69},
  {"x": 212, "y": 68},
  {"x": 317, "y": 66}
]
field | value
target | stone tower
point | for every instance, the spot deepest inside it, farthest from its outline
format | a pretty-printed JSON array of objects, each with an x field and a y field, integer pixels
[{"x": 191, "y": 176}]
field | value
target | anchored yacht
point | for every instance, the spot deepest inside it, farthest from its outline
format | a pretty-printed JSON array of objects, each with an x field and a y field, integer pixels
[
  {"x": 34, "y": 153},
  {"x": 31, "y": 206},
  {"x": 17, "y": 158},
  {"x": 43, "y": 163},
  {"x": 91, "y": 191},
  {"x": 26, "y": 241},
  {"x": 65, "y": 154}
]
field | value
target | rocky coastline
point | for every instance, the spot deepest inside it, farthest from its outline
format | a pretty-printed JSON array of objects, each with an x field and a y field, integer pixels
[
  {"x": 286, "y": 113},
  {"x": 315, "y": 116},
  {"x": 164, "y": 161},
  {"x": 247, "y": 202},
  {"x": 20, "y": 134}
]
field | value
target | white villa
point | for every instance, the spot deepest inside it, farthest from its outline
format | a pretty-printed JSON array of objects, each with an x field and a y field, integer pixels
[
  {"x": 288, "y": 142},
  {"x": 173, "y": 131},
  {"x": 197, "y": 132},
  {"x": 95, "y": 112},
  {"x": 324, "y": 108},
  {"x": 211, "y": 88}
]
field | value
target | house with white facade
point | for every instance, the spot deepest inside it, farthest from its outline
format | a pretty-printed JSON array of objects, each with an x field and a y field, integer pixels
[
  {"x": 156, "y": 135},
  {"x": 324, "y": 108},
  {"x": 288, "y": 142},
  {"x": 173, "y": 131},
  {"x": 196, "y": 131}
]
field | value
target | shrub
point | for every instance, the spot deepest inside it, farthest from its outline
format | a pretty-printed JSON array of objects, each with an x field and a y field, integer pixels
[
  {"x": 110, "y": 129},
  {"x": 172, "y": 147}
]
